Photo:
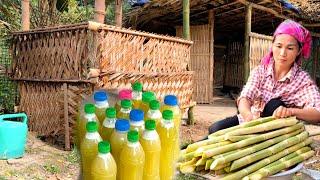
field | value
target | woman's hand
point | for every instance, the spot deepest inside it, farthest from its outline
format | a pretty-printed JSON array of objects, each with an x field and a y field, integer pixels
[
  {"x": 282, "y": 112},
  {"x": 248, "y": 116}
]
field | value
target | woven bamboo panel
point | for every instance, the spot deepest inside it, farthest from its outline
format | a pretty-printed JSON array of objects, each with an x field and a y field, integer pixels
[
  {"x": 200, "y": 62},
  {"x": 179, "y": 84},
  {"x": 259, "y": 47},
  {"x": 40, "y": 101},
  {"x": 234, "y": 65},
  {"x": 219, "y": 66},
  {"x": 56, "y": 55},
  {"x": 128, "y": 52}
]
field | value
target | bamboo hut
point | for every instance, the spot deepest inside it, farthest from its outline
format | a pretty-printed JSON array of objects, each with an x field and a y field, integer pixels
[{"x": 230, "y": 36}]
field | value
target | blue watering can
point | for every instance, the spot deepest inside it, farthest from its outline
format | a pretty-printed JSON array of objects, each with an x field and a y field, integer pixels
[{"x": 13, "y": 135}]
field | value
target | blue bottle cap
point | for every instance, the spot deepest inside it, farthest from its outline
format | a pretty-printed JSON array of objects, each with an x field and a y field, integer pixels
[
  {"x": 136, "y": 115},
  {"x": 100, "y": 96},
  {"x": 122, "y": 125},
  {"x": 171, "y": 100}
]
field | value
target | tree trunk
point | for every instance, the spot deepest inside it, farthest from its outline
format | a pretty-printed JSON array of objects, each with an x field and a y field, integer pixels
[
  {"x": 186, "y": 19},
  {"x": 100, "y": 11},
  {"x": 247, "y": 42},
  {"x": 118, "y": 13},
  {"x": 25, "y": 16}
]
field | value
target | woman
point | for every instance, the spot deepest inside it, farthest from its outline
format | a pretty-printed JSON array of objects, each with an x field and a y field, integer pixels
[{"x": 279, "y": 86}]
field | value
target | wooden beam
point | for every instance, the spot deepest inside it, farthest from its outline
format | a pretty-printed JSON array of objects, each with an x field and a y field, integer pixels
[
  {"x": 312, "y": 25},
  {"x": 247, "y": 41},
  {"x": 118, "y": 13},
  {"x": 99, "y": 11},
  {"x": 66, "y": 117},
  {"x": 211, "y": 52},
  {"x": 214, "y": 9},
  {"x": 227, "y": 12},
  {"x": 25, "y": 15}
]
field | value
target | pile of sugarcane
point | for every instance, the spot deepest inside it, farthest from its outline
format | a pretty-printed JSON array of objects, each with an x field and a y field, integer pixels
[{"x": 252, "y": 150}]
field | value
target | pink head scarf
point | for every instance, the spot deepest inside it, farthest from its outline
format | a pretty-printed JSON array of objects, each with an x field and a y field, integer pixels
[{"x": 301, "y": 34}]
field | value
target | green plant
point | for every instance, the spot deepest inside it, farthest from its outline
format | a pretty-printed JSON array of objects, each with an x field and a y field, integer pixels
[
  {"x": 73, "y": 156},
  {"x": 53, "y": 169}
]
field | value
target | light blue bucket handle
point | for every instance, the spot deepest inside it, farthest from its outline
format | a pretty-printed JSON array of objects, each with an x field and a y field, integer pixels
[{"x": 9, "y": 116}]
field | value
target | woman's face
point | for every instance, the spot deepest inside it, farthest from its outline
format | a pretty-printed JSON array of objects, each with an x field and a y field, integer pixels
[{"x": 285, "y": 50}]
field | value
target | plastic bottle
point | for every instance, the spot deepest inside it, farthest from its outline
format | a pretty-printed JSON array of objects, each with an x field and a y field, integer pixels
[
  {"x": 101, "y": 103},
  {"x": 171, "y": 103},
  {"x": 123, "y": 94},
  {"x": 168, "y": 136},
  {"x": 136, "y": 120},
  {"x": 136, "y": 94},
  {"x": 89, "y": 116},
  {"x": 108, "y": 124},
  {"x": 125, "y": 109},
  {"x": 146, "y": 98},
  {"x": 154, "y": 111},
  {"x": 119, "y": 138},
  {"x": 89, "y": 149},
  {"x": 132, "y": 158},
  {"x": 104, "y": 166},
  {"x": 151, "y": 145}
]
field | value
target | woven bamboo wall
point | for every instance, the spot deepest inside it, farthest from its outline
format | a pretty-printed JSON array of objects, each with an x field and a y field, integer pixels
[
  {"x": 52, "y": 66},
  {"x": 200, "y": 62},
  {"x": 259, "y": 47},
  {"x": 219, "y": 65},
  {"x": 234, "y": 65}
]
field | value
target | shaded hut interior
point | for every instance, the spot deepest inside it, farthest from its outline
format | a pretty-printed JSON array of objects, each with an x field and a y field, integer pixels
[{"x": 227, "y": 22}]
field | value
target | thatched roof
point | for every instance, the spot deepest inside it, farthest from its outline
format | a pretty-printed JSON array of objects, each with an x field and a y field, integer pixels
[
  {"x": 229, "y": 14},
  {"x": 310, "y": 8}
]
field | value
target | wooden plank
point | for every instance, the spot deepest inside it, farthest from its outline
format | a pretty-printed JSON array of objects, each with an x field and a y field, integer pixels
[
  {"x": 211, "y": 52},
  {"x": 66, "y": 116},
  {"x": 247, "y": 41}
]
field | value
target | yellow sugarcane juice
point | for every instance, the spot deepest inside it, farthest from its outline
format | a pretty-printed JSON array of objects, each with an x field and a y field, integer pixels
[
  {"x": 154, "y": 111},
  {"x": 108, "y": 124},
  {"x": 146, "y": 98},
  {"x": 136, "y": 94},
  {"x": 89, "y": 149},
  {"x": 168, "y": 138},
  {"x": 125, "y": 109},
  {"x": 104, "y": 166},
  {"x": 132, "y": 158},
  {"x": 123, "y": 94},
  {"x": 101, "y": 103},
  {"x": 136, "y": 120},
  {"x": 151, "y": 145}
]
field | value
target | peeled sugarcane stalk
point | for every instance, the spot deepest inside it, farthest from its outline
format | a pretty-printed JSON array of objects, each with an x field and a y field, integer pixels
[
  {"x": 260, "y": 164},
  {"x": 200, "y": 150},
  {"x": 253, "y": 149},
  {"x": 201, "y": 161},
  {"x": 188, "y": 168},
  {"x": 196, "y": 145},
  {"x": 240, "y": 138},
  {"x": 208, "y": 163},
  {"x": 243, "y": 125},
  {"x": 227, "y": 169},
  {"x": 249, "y": 141},
  {"x": 187, "y": 156},
  {"x": 268, "y": 126},
  {"x": 269, "y": 151},
  {"x": 199, "y": 168},
  {"x": 264, "y": 172},
  {"x": 222, "y": 166}
]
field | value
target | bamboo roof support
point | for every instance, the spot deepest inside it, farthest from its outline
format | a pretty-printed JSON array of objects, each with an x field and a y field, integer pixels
[
  {"x": 25, "y": 16},
  {"x": 186, "y": 19},
  {"x": 99, "y": 10},
  {"x": 118, "y": 13},
  {"x": 211, "y": 52},
  {"x": 247, "y": 41}
]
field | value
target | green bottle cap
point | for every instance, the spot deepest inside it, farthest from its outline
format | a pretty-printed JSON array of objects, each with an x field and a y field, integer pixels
[
  {"x": 89, "y": 108},
  {"x": 126, "y": 103},
  {"x": 104, "y": 147},
  {"x": 154, "y": 105},
  {"x": 148, "y": 96},
  {"x": 137, "y": 86},
  {"x": 150, "y": 125},
  {"x": 111, "y": 112},
  {"x": 133, "y": 136},
  {"x": 167, "y": 114},
  {"x": 91, "y": 126}
]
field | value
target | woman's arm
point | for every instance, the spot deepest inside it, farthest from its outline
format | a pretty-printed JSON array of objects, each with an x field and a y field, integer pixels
[
  {"x": 308, "y": 114},
  {"x": 244, "y": 107}
]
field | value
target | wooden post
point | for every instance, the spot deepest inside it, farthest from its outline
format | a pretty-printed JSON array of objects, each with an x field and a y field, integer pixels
[
  {"x": 247, "y": 42},
  {"x": 99, "y": 11},
  {"x": 211, "y": 52},
  {"x": 118, "y": 13},
  {"x": 25, "y": 15},
  {"x": 186, "y": 19},
  {"x": 66, "y": 117}
]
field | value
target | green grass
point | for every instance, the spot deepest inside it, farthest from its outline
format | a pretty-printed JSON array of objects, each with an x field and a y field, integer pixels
[
  {"x": 53, "y": 169},
  {"x": 73, "y": 156},
  {"x": 2, "y": 178}
]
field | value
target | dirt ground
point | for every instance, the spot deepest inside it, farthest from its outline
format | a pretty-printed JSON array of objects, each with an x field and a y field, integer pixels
[{"x": 44, "y": 161}]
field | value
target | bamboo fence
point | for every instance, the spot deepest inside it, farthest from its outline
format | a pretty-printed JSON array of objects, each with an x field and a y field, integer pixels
[
  {"x": 234, "y": 65},
  {"x": 259, "y": 47},
  {"x": 200, "y": 62},
  {"x": 53, "y": 65}
]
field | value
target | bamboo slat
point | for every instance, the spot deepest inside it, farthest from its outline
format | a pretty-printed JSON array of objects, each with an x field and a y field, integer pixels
[
  {"x": 259, "y": 47},
  {"x": 234, "y": 65}
]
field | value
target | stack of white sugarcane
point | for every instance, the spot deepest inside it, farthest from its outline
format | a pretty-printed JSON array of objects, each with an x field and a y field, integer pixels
[{"x": 252, "y": 150}]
